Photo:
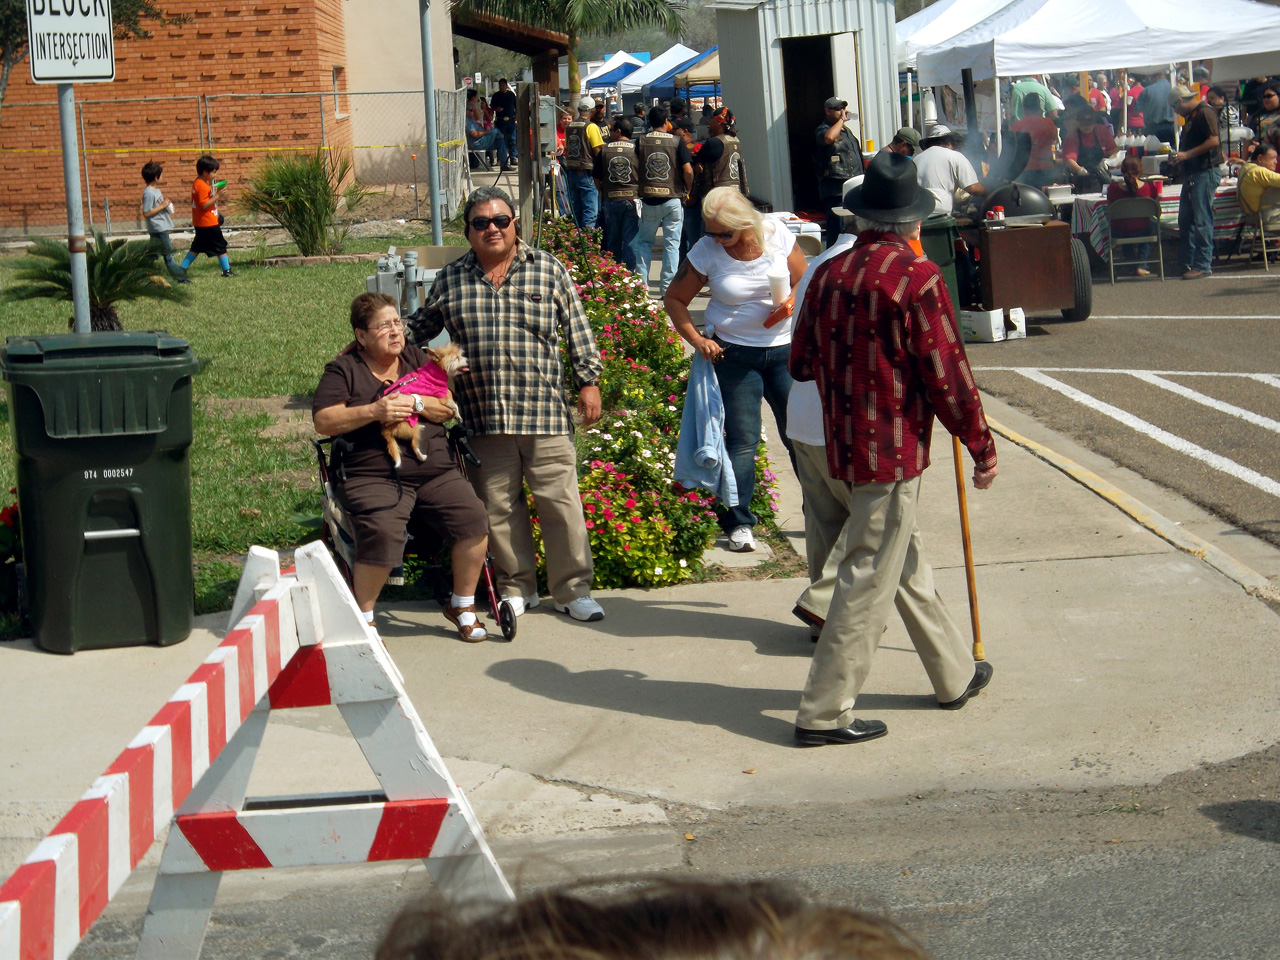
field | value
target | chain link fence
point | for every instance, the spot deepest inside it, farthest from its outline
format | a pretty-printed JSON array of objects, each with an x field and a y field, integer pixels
[{"x": 383, "y": 133}]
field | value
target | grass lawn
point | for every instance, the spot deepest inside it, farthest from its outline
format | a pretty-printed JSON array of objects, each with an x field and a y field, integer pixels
[{"x": 265, "y": 333}]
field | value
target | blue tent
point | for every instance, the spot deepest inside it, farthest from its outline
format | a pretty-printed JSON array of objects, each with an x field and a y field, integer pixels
[
  {"x": 664, "y": 87},
  {"x": 611, "y": 78}
]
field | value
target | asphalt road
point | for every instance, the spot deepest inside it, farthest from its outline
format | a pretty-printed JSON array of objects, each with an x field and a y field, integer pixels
[{"x": 1178, "y": 381}]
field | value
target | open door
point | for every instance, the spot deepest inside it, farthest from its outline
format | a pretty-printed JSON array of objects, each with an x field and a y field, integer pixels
[{"x": 808, "y": 79}]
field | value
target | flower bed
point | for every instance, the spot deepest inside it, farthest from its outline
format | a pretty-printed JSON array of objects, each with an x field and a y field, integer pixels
[{"x": 645, "y": 529}]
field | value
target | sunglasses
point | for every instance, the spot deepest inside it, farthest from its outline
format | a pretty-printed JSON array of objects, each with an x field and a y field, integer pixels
[
  {"x": 502, "y": 221},
  {"x": 721, "y": 236}
]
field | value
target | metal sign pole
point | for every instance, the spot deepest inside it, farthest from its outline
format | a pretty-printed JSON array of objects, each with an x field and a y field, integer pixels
[
  {"x": 75, "y": 208},
  {"x": 433, "y": 145}
]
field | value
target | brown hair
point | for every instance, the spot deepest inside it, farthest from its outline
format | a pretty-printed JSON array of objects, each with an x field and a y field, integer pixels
[
  {"x": 367, "y": 306},
  {"x": 1131, "y": 170},
  {"x": 661, "y": 920}
]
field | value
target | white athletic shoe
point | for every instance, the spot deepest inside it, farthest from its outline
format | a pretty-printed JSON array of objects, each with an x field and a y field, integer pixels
[
  {"x": 584, "y": 608},
  {"x": 742, "y": 539},
  {"x": 519, "y": 604}
]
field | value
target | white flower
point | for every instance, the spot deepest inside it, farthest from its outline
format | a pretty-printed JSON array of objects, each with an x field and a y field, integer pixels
[
  {"x": 657, "y": 571},
  {"x": 684, "y": 563},
  {"x": 645, "y": 453}
]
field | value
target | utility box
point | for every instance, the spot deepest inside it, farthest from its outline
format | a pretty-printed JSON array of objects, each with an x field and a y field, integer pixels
[{"x": 101, "y": 427}]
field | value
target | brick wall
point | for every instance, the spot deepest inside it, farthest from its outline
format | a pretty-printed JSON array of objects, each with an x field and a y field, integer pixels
[{"x": 172, "y": 104}]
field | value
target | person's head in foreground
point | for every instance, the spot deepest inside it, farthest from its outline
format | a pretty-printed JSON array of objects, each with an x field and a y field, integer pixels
[{"x": 656, "y": 920}]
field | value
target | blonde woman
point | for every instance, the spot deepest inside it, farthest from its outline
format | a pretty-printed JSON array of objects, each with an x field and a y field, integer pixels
[{"x": 747, "y": 338}]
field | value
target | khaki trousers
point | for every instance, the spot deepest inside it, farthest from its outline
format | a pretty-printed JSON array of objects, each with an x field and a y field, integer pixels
[
  {"x": 880, "y": 566},
  {"x": 548, "y": 464},
  {"x": 826, "y": 508}
]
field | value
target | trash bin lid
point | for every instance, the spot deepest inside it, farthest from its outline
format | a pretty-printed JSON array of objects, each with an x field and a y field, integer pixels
[{"x": 100, "y": 384}]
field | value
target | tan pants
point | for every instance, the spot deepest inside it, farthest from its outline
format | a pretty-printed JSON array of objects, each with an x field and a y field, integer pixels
[
  {"x": 879, "y": 567},
  {"x": 826, "y": 508},
  {"x": 548, "y": 464}
]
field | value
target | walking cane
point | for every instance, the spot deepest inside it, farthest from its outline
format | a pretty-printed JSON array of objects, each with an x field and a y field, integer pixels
[{"x": 957, "y": 450}]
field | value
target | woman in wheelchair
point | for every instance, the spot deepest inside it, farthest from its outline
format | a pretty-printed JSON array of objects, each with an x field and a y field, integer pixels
[{"x": 351, "y": 402}]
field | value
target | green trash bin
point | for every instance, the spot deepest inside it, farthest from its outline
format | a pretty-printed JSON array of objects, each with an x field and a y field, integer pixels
[
  {"x": 938, "y": 236},
  {"x": 101, "y": 430}
]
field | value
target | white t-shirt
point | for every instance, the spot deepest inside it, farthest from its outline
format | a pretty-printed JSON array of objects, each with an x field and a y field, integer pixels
[
  {"x": 740, "y": 299},
  {"x": 804, "y": 406},
  {"x": 942, "y": 171}
]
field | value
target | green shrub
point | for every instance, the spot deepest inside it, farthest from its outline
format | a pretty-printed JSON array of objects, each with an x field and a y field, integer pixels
[{"x": 303, "y": 193}]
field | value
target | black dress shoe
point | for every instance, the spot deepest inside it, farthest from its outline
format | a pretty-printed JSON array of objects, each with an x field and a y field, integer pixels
[
  {"x": 804, "y": 616},
  {"x": 855, "y": 732},
  {"x": 981, "y": 677}
]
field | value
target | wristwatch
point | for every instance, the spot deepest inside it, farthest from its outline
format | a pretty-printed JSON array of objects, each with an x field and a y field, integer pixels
[
  {"x": 589, "y": 383},
  {"x": 417, "y": 403}
]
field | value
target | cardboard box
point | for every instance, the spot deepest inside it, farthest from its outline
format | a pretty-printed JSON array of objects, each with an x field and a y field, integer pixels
[
  {"x": 982, "y": 326},
  {"x": 1015, "y": 324}
]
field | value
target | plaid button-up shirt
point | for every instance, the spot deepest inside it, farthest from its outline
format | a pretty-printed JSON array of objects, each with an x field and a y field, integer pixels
[
  {"x": 878, "y": 333},
  {"x": 511, "y": 337}
]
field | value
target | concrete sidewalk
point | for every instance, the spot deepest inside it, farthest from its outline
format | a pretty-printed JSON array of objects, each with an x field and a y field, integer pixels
[{"x": 1118, "y": 659}]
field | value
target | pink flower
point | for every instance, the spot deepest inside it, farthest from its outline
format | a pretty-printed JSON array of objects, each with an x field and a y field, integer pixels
[
  {"x": 590, "y": 508},
  {"x": 608, "y": 514},
  {"x": 626, "y": 546},
  {"x": 591, "y": 525},
  {"x": 620, "y": 526},
  {"x": 631, "y": 504}
]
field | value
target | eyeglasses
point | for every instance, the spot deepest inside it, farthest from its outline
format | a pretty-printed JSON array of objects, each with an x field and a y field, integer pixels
[
  {"x": 502, "y": 221},
  {"x": 720, "y": 236},
  {"x": 1268, "y": 96},
  {"x": 386, "y": 326}
]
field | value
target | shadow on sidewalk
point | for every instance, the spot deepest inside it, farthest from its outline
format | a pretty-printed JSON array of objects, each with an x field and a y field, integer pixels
[{"x": 738, "y": 710}]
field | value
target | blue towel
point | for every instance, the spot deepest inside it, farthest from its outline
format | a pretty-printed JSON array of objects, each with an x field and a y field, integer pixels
[{"x": 701, "y": 457}]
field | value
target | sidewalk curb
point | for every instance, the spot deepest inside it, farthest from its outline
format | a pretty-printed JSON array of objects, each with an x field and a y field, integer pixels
[{"x": 1252, "y": 582}]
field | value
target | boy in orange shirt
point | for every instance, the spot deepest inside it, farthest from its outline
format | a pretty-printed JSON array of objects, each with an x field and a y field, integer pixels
[{"x": 205, "y": 217}]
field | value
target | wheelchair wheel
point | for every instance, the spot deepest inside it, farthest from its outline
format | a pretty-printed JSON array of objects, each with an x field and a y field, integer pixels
[{"x": 507, "y": 620}]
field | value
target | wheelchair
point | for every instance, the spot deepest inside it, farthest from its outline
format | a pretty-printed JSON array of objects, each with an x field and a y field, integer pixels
[{"x": 425, "y": 543}]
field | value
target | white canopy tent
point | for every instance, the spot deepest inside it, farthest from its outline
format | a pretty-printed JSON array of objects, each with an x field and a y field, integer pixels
[
  {"x": 1063, "y": 36},
  {"x": 656, "y": 68},
  {"x": 708, "y": 71},
  {"x": 613, "y": 63},
  {"x": 940, "y": 22}
]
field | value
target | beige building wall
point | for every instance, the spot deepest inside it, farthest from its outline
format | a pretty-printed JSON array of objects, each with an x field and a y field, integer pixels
[{"x": 384, "y": 75}]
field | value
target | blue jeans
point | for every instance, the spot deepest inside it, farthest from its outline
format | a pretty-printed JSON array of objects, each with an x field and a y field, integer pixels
[
  {"x": 670, "y": 215},
  {"x": 746, "y": 376},
  {"x": 1195, "y": 221},
  {"x": 621, "y": 224},
  {"x": 583, "y": 198},
  {"x": 492, "y": 141},
  {"x": 1130, "y": 251},
  {"x": 508, "y": 130}
]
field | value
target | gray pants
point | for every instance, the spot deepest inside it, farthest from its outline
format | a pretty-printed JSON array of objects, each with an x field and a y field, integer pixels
[{"x": 880, "y": 567}]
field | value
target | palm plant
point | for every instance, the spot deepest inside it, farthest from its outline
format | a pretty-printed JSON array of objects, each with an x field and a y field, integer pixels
[
  {"x": 580, "y": 17},
  {"x": 303, "y": 193},
  {"x": 119, "y": 271}
]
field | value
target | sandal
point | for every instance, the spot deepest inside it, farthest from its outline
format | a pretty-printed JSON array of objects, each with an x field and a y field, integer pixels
[{"x": 472, "y": 632}]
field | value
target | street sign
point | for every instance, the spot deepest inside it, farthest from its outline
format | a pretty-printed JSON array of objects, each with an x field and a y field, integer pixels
[
  {"x": 478, "y": 77},
  {"x": 466, "y": 81},
  {"x": 70, "y": 41}
]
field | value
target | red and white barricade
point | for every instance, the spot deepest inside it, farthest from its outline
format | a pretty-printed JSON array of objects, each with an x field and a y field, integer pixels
[{"x": 299, "y": 641}]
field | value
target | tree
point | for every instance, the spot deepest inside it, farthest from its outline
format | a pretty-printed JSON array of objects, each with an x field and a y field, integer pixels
[
  {"x": 578, "y": 18},
  {"x": 119, "y": 271},
  {"x": 126, "y": 16}
]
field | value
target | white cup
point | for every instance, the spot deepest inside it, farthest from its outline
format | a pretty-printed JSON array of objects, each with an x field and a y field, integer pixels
[{"x": 779, "y": 284}]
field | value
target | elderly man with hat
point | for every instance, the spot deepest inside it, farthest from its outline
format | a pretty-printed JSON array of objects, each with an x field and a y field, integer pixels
[
  {"x": 878, "y": 334},
  {"x": 837, "y": 157},
  {"x": 1199, "y": 156},
  {"x": 942, "y": 169},
  {"x": 582, "y": 144}
]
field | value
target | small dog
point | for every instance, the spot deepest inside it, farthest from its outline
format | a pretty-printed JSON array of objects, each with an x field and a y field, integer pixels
[{"x": 432, "y": 379}]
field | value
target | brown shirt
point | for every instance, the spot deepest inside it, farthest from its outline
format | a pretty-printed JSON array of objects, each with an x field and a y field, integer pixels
[{"x": 347, "y": 380}]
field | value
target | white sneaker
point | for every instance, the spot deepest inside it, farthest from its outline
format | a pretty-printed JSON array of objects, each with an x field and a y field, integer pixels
[
  {"x": 519, "y": 604},
  {"x": 584, "y": 608},
  {"x": 742, "y": 539}
]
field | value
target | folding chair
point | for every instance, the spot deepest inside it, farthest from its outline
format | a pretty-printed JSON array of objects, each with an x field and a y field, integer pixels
[
  {"x": 1257, "y": 224},
  {"x": 1133, "y": 208}
]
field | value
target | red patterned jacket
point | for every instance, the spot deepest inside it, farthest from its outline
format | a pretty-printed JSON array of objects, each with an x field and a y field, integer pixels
[{"x": 878, "y": 333}]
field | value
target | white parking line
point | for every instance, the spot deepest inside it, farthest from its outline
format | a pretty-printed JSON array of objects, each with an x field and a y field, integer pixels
[
  {"x": 1182, "y": 316},
  {"x": 1257, "y": 419},
  {"x": 1181, "y": 445},
  {"x": 1271, "y": 378}
]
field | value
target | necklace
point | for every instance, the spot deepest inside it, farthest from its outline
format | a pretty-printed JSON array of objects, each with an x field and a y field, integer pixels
[{"x": 498, "y": 274}]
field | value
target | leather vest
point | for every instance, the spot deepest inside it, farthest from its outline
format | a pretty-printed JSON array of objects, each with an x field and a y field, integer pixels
[
  {"x": 658, "y": 167},
  {"x": 621, "y": 170},
  {"x": 728, "y": 169},
  {"x": 577, "y": 154}
]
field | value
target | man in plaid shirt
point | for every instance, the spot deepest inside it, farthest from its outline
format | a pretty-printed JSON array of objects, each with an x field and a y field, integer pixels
[
  {"x": 506, "y": 305},
  {"x": 878, "y": 333}
]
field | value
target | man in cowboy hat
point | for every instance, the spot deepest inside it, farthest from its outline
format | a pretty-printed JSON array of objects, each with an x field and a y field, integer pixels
[{"x": 878, "y": 333}]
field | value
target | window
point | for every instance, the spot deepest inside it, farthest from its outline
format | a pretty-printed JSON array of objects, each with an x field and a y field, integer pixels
[{"x": 339, "y": 91}]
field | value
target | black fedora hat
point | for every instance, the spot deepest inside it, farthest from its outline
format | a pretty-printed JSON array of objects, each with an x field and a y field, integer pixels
[{"x": 889, "y": 193}]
